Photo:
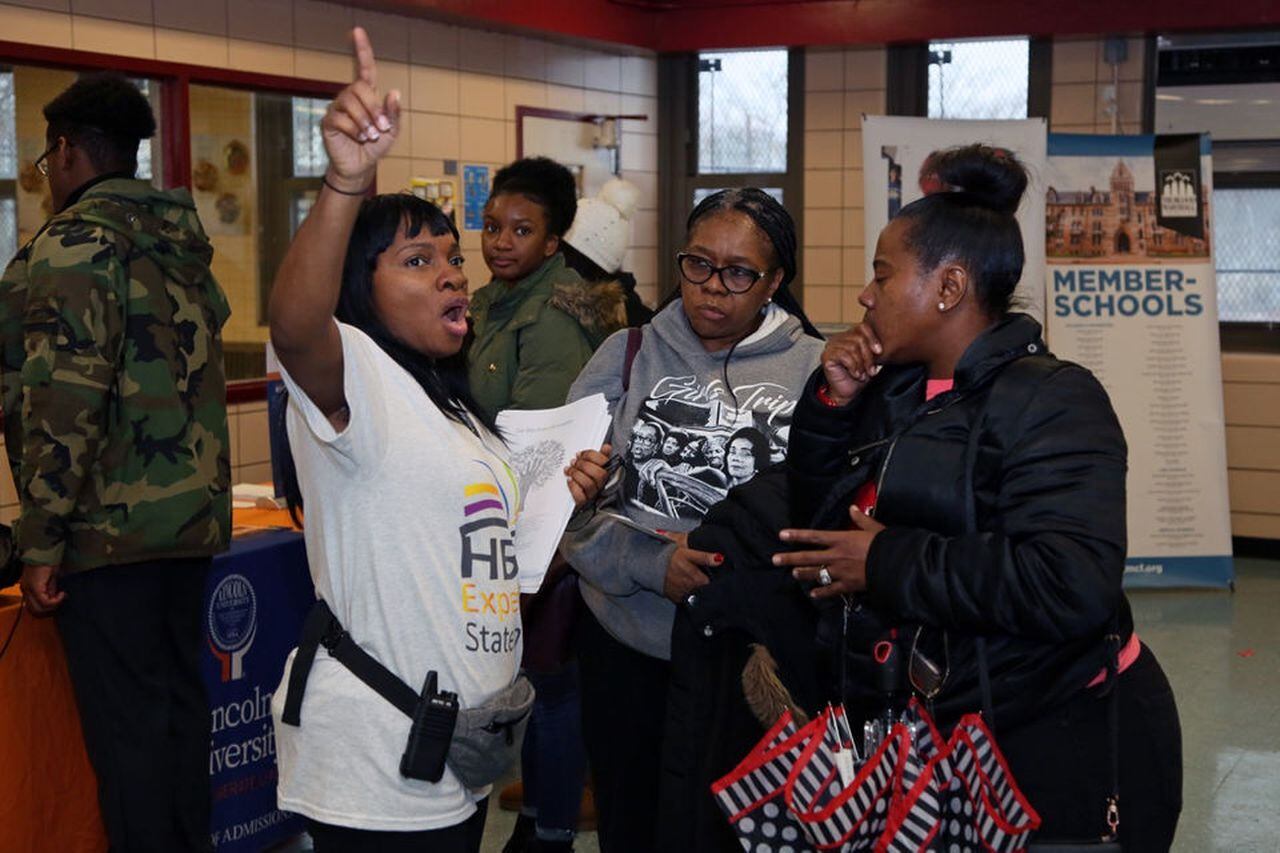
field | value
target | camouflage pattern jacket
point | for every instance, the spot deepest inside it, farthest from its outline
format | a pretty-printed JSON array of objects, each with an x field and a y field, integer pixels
[{"x": 113, "y": 388}]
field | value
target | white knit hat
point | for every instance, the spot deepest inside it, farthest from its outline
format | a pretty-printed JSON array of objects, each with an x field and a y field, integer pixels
[{"x": 601, "y": 229}]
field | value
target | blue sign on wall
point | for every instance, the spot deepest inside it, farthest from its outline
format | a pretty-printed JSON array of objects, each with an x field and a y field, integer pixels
[
  {"x": 475, "y": 194},
  {"x": 257, "y": 597}
]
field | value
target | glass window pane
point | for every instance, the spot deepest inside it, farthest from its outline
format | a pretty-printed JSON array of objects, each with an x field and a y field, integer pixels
[
  {"x": 979, "y": 79},
  {"x": 257, "y": 162},
  {"x": 1247, "y": 254},
  {"x": 32, "y": 88},
  {"x": 8, "y": 135},
  {"x": 742, "y": 111},
  {"x": 309, "y": 159},
  {"x": 302, "y": 203},
  {"x": 226, "y": 185},
  {"x": 8, "y": 229},
  {"x": 149, "y": 149}
]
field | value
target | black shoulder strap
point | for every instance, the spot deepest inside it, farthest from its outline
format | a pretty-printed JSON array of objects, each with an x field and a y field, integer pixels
[
  {"x": 1014, "y": 397},
  {"x": 1013, "y": 392},
  {"x": 635, "y": 335},
  {"x": 323, "y": 629}
]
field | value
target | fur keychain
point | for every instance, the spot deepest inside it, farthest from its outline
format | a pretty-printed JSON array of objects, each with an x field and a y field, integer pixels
[{"x": 764, "y": 691}]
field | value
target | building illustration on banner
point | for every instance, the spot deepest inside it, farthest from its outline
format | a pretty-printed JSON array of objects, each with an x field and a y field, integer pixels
[{"x": 1119, "y": 224}]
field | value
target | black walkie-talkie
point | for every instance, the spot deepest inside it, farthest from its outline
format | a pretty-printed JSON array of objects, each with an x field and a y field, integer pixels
[{"x": 430, "y": 734}]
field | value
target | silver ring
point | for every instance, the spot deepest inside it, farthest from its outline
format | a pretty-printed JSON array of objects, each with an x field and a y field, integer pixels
[{"x": 824, "y": 576}]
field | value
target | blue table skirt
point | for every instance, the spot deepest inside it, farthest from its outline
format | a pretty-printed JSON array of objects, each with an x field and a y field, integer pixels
[{"x": 258, "y": 594}]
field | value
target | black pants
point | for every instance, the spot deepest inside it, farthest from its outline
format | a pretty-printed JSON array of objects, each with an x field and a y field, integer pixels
[
  {"x": 624, "y": 706},
  {"x": 133, "y": 635},
  {"x": 463, "y": 837},
  {"x": 1061, "y": 762}
]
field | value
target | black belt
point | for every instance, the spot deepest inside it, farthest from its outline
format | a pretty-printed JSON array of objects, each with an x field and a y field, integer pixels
[{"x": 322, "y": 628}]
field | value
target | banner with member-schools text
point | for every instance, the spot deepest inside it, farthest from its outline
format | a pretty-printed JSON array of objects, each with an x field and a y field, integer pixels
[
  {"x": 895, "y": 172},
  {"x": 1132, "y": 296}
]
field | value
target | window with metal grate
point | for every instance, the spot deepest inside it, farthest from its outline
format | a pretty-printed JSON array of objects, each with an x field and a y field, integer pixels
[
  {"x": 1247, "y": 254},
  {"x": 979, "y": 79},
  {"x": 742, "y": 111}
]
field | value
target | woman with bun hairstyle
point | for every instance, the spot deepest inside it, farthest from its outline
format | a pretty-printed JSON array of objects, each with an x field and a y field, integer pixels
[{"x": 957, "y": 492}]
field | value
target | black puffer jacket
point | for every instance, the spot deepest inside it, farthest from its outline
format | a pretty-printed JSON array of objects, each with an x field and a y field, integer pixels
[{"x": 1039, "y": 465}]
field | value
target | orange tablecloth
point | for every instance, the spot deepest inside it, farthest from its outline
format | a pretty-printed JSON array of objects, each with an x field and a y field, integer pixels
[{"x": 48, "y": 793}]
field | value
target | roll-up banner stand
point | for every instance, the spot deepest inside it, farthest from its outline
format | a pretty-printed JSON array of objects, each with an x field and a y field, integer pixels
[
  {"x": 1127, "y": 289},
  {"x": 1132, "y": 296}
]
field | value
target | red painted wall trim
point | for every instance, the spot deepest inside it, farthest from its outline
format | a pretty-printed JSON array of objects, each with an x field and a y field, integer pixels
[
  {"x": 688, "y": 25},
  {"x": 596, "y": 20},
  {"x": 175, "y": 132},
  {"x": 837, "y": 22},
  {"x": 83, "y": 59}
]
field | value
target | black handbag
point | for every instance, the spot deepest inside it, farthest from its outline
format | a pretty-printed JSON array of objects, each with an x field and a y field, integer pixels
[{"x": 1109, "y": 843}]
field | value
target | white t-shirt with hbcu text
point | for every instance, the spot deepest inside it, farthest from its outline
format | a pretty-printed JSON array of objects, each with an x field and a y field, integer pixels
[{"x": 409, "y": 519}]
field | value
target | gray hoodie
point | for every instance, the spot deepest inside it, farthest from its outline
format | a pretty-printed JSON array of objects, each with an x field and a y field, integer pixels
[{"x": 685, "y": 442}]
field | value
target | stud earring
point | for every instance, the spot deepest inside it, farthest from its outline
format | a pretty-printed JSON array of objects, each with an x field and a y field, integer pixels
[{"x": 942, "y": 306}]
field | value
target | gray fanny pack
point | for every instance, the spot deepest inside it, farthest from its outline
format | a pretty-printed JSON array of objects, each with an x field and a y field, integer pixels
[
  {"x": 486, "y": 740},
  {"x": 478, "y": 744}
]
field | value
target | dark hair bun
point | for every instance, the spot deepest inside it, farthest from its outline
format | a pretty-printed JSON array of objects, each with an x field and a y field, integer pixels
[{"x": 993, "y": 177}]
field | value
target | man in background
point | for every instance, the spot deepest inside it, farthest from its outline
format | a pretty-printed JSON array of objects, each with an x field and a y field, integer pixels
[{"x": 115, "y": 424}]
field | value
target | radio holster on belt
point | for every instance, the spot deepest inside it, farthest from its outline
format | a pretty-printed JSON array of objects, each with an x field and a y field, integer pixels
[{"x": 478, "y": 744}]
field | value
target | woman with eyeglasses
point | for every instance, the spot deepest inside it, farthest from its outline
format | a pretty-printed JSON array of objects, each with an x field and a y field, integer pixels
[
  {"x": 731, "y": 350},
  {"x": 956, "y": 516}
]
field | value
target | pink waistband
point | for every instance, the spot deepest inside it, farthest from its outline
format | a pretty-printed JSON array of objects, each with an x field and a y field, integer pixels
[{"x": 1128, "y": 655}]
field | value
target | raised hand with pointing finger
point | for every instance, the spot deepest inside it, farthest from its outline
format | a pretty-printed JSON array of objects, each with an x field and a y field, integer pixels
[{"x": 361, "y": 124}]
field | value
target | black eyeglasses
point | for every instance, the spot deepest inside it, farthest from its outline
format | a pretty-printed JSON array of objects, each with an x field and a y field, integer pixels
[
  {"x": 42, "y": 162},
  {"x": 698, "y": 270}
]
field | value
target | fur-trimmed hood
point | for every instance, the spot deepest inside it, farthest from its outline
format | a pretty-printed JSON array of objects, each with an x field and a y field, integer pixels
[{"x": 599, "y": 307}]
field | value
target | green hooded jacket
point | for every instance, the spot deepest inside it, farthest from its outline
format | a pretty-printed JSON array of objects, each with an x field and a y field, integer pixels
[
  {"x": 112, "y": 381},
  {"x": 532, "y": 339}
]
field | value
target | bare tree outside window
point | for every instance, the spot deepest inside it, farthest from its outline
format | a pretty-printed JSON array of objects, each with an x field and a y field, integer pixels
[
  {"x": 979, "y": 79},
  {"x": 8, "y": 169},
  {"x": 8, "y": 134},
  {"x": 742, "y": 112}
]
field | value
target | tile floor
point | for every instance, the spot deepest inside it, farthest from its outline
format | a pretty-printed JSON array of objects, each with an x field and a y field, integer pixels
[{"x": 1221, "y": 651}]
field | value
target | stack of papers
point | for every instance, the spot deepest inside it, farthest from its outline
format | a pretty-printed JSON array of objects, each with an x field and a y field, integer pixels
[
  {"x": 245, "y": 495},
  {"x": 542, "y": 442}
]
